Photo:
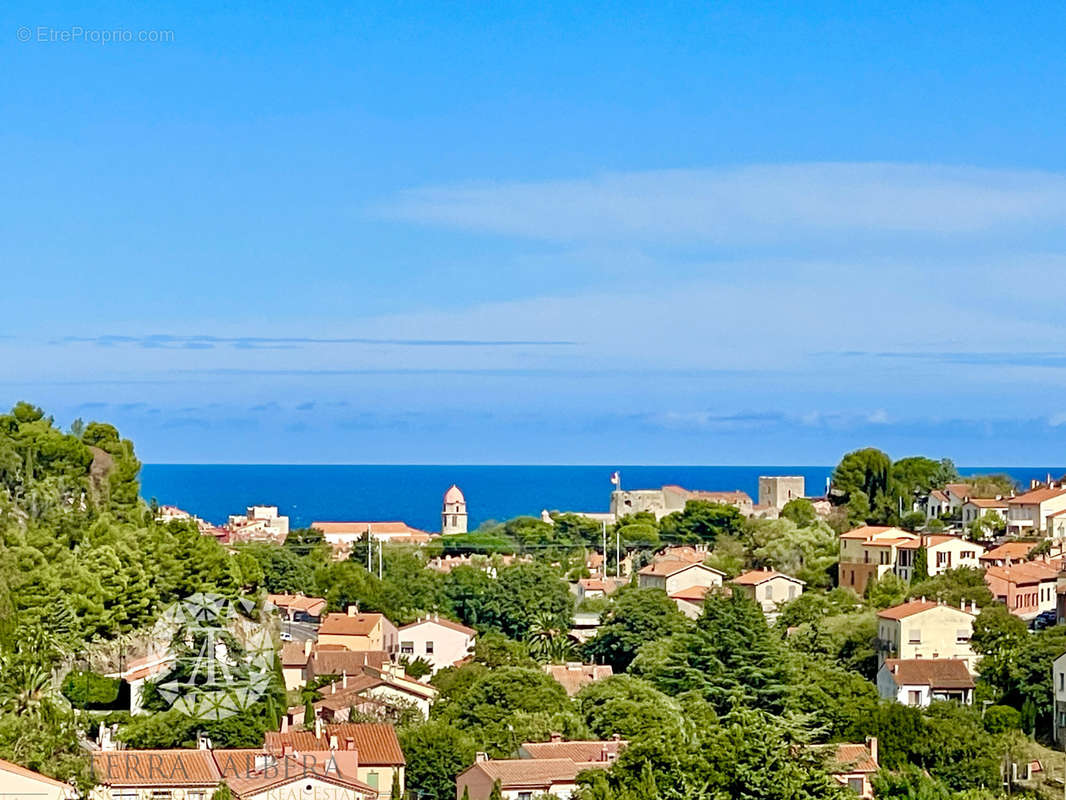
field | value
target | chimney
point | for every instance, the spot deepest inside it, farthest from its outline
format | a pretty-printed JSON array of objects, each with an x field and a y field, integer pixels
[
  {"x": 307, "y": 647},
  {"x": 344, "y": 679},
  {"x": 285, "y": 722},
  {"x": 480, "y": 758},
  {"x": 349, "y": 743},
  {"x": 353, "y": 610},
  {"x": 333, "y": 741},
  {"x": 556, "y": 736},
  {"x": 318, "y": 727},
  {"x": 616, "y": 737},
  {"x": 871, "y": 743}
]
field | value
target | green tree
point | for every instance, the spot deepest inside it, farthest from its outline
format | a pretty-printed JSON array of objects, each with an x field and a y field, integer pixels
[
  {"x": 998, "y": 636},
  {"x": 436, "y": 753},
  {"x": 863, "y": 481},
  {"x": 800, "y": 511},
  {"x": 636, "y": 616},
  {"x": 921, "y": 565},
  {"x": 496, "y": 793},
  {"x": 702, "y": 521}
]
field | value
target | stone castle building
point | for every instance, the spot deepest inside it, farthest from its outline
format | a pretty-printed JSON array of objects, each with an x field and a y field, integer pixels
[
  {"x": 453, "y": 515},
  {"x": 777, "y": 490}
]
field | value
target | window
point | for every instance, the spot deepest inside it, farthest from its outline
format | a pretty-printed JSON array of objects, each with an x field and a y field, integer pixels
[
  {"x": 161, "y": 794},
  {"x": 123, "y": 794},
  {"x": 429, "y": 647},
  {"x": 914, "y": 636},
  {"x": 525, "y": 796},
  {"x": 914, "y": 698},
  {"x": 407, "y": 648},
  {"x": 1062, "y": 681},
  {"x": 196, "y": 794},
  {"x": 962, "y": 636},
  {"x": 856, "y": 785},
  {"x": 372, "y": 780}
]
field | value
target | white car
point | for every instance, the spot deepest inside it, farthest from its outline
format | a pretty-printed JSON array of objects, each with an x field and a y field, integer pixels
[{"x": 286, "y": 636}]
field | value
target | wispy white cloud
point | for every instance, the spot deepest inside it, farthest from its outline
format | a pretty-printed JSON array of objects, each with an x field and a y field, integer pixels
[{"x": 752, "y": 204}]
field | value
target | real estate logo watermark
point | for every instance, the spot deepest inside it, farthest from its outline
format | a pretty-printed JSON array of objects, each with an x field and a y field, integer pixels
[
  {"x": 221, "y": 666},
  {"x": 75, "y": 34}
]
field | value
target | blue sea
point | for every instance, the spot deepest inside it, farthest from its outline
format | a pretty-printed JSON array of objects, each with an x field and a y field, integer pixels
[{"x": 413, "y": 494}]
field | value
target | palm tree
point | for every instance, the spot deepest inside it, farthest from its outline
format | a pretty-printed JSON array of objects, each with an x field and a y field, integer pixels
[{"x": 548, "y": 640}]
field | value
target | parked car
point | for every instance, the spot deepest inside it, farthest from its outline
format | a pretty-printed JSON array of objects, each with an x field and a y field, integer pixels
[{"x": 286, "y": 636}]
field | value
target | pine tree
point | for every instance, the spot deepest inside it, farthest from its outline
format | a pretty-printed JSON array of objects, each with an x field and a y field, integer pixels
[
  {"x": 396, "y": 793},
  {"x": 497, "y": 791},
  {"x": 921, "y": 565},
  {"x": 309, "y": 714},
  {"x": 466, "y": 793}
]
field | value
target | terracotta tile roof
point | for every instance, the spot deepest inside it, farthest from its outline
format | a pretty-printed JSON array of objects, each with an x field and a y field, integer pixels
[
  {"x": 444, "y": 623},
  {"x": 853, "y": 758},
  {"x": 15, "y": 769},
  {"x": 959, "y": 489},
  {"x": 757, "y": 576},
  {"x": 247, "y": 774},
  {"x": 683, "y": 553},
  {"x": 592, "y": 585},
  {"x": 156, "y": 768},
  {"x": 869, "y": 531},
  {"x": 580, "y": 751},
  {"x": 297, "y": 602},
  {"x": 338, "y": 661},
  {"x": 907, "y": 609},
  {"x": 1036, "y": 496},
  {"x": 1009, "y": 550},
  {"x": 986, "y": 502},
  {"x": 672, "y": 567},
  {"x": 936, "y": 494},
  {"x": 294, "y": 654},
  {"x": 694, "y": 594},
  {"x": 341, "y": 624},
  {"x": 360, "y": 528},
  {"x": 1027, "y": 572},
  {"x": 574, "y": 677},
  {"x": 532, "y": 773},
  {"x": 936, "y": 673},
  {"x": 376, "y": 743}
]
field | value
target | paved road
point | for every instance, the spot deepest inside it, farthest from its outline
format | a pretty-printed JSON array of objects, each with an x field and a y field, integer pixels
[{"x": 301, "y": 631}]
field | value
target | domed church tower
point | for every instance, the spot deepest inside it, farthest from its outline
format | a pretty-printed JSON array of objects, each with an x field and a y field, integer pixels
[{"x": 453, "y": 517}]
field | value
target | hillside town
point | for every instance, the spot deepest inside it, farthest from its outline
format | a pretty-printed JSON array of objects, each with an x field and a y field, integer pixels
[{"x": 578, "y": 655}]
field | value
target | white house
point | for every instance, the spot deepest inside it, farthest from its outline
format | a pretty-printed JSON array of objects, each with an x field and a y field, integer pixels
[
  {"x": 769, "y": 588},
  {"x": 1028, "y": 513},
  {"x": 1058, "y": 678},
  {"x": 977, "y": 507},
  {"x": 919, "y": 682},
  {"x": 440, "y": 642},
  {"x": 942, "y": 552},
  {"x": 18, "y": 782}
]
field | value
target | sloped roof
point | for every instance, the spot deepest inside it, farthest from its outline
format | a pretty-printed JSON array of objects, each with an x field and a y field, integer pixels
[
  {"x": 1025, "y": 572},
  {"x": 444, "y": 623},
  {"x": 341, "y": 624},
  {"x": 156, "y": 768},
  {"x": 574, "y": 677},
  {"x": 298, "y": 602},
  {"x": 694, "y": 594},
  {"x": 672, "y": 567},
  {"x": 532, "y": 773},
  {"x": 392, "y": 527},
  {"x": 987, "y": 502},
  {"x": 328, "y": 661},
  {"x": 238, "y": 767},
  {"x": 15, "y": 769},
  {"x": 907, "y": 609},
  {"x": 1036, "y": 496},
  {"x": 585, "y": 751},
  {"x": 1009, "y": 550},
  {"x": 936, "y": 673},
  {"x": 376, "y": 743},
  {"x": 294, "y": 654},
  {"x": 870, "y": 531},
  {"x": 853, "y": 758},
  {"x": 757, "y": 576}
]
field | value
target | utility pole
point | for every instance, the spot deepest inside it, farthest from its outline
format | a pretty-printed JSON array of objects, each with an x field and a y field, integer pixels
[
  {"x": 369, "y": 551},
  {"x": 380, "y": 546},
  {"x": 617, "y": 553},
  {"x": 604, "y": 523}
]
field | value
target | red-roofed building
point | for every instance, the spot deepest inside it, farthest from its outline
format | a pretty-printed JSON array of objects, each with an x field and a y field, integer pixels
[
  {"x": 297, "y": 607},
  {"x": 1007, "y": 553},
  {"x": 258, "y": 775},
  {"x": 769, "y": 588},
  {"x": 359, "y": 631},
  {"x": 574, "y": 676},
  {"x": 924, "y": 629},
  {"x": 869, "y": 552},
  {"x": 1027, "y": 588},
  {"x": 919, "y": 682},
  {"x": 376, "y": 745},
  {"x": 684, "y": 581},
  {"x": 1028, "y": 513},
  {"x": 344, "y": 534},
  {"x": 148, "y": 774},
  {"x": 18, "y": 782},
  {"x": 942, "y": 552},
  {"x": 854, "y": 765}
]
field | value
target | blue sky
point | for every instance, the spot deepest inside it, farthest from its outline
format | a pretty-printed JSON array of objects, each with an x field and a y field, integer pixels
[{"x": 701, "y": 233}]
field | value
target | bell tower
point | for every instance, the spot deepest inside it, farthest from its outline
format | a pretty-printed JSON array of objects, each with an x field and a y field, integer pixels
[{"x": 453, "y": 515}]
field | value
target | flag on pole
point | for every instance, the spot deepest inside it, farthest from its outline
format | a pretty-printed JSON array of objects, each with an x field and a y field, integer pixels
[{"x": 616, "y": 479}]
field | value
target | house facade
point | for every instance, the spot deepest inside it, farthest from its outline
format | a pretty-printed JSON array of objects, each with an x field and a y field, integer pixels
[
  {"x": 18, "y": 782},
  {"x": 854, "y": 765},
  {"x": 439, "y": 642},
  {"x": 258, "y": 775},
  {"x": 919, "y": 682},
  {"x": 1028, "y": 513},
  {"x": 977, "y": 507},
  {"x": 154, "y": 775},
  {"x": 356, "y": 631},
  {"x": 924, "y": 629},
  {"x": 942, "y": 552},
  {"x": 1027, "y": 589},
  {"x": 869, "y": 552},
  {"x": 675, "y": 576},
  {"x": 1058, "y": 678},
  {"x": 769, "y": 588}
]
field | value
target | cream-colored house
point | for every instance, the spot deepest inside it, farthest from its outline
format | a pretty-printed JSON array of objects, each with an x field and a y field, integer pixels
[
  {"x": 977, "y": 507},
  {"x": 925, "y": 629},
  {"x": 18, "y": 782},
  {"x": 921, "y": 681},
  {"x": 676, "y": 576},
  {"x": 869, "y": 552},
  {"x": 1028, "y": 513},
  {"x": 357, "y": 631},
  {"x": 154, "y": 775},
  {"x": 942, "y": 552},
  {"x": 440, "y": 642},
  {"x": 769, "y": 588}
]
